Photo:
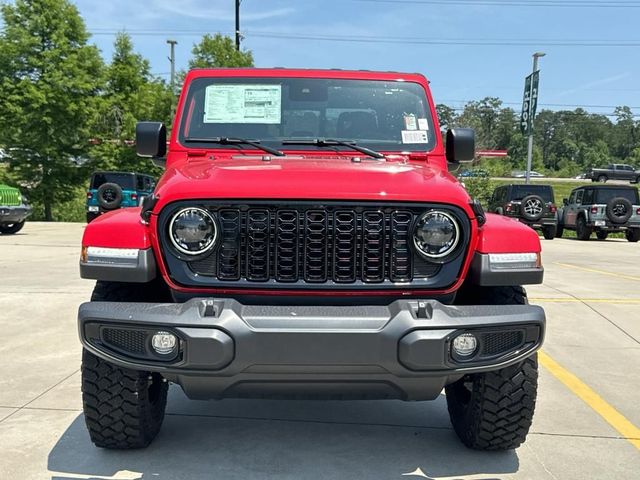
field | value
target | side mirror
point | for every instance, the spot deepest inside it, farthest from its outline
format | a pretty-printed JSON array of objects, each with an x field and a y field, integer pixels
[
  {"x": 565, "y": 202},
  {"x": 460, "y": 145},
  {"x": 151, "y": 139}
]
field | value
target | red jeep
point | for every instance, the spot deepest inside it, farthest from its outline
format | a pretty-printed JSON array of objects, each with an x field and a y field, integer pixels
[{"x": 306, "y": 239}]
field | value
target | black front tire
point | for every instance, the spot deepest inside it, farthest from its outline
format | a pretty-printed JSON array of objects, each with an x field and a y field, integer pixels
[
  {"x": 549, "y": 232},
  {"x": 123, "y": 408},
  {"x": 11, "y": 228},
  {"x": 559, "y": 231},
  {"x": 494, "y": 410},
  {"x": 633, "y": 235},
  {"x": 602, "y": 235}
]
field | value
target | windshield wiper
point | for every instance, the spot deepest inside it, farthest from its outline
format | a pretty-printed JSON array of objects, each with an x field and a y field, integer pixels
[
  {"x": 236, "y": 141},
  {"x": 327, "y": 142}
]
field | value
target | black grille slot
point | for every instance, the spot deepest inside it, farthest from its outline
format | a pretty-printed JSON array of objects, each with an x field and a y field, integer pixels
[
  {"x": 373, "y": 246},
  {"x": 400, "y": 252},
  {"x": 229, "y": 254},
  {"x": 258, "y": 226},
  {"x": 344, "y": 247},
  {"x": 497, "y": 343},
  {"x": 313, "y": 244},
  {"x": 287, "y": 232},
  {"x": 129, "y": 341}
]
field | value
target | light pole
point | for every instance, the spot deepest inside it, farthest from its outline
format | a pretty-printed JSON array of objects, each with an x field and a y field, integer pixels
[
  {"x": 534, "y": 98},
  {"x": 238, "y": 37},
  {"x": 172, "y": 81}
]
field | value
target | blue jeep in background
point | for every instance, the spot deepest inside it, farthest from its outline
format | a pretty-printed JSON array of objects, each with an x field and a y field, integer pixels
[{"x": 112, "y": 190}]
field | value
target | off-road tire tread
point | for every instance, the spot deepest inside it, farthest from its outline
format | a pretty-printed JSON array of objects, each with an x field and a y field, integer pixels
[
  {"x": 503, "y": 403},
  {"x": 116, "y": 404}
]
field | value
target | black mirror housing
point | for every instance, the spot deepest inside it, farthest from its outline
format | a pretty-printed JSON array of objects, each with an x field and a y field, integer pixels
[
  {"x": 460, "y": 145},
  {"x": 151, "y": 139}
]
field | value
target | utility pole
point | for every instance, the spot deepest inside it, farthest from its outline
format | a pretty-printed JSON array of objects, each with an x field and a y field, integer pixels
[
  {"x": 238, "y": 25},
  {"x": 172, "y": 81},
  {"x": 532, "y": 110}
]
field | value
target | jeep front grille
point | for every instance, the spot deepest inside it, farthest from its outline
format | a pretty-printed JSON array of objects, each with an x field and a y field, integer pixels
[{"x": 311, "y": 244}]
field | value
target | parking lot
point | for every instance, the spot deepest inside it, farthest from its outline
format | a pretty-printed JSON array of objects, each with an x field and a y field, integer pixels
[{"x": 587, "y": 403}]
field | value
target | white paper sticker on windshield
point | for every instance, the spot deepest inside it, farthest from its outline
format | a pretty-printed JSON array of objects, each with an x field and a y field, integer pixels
[
  {"x": 410, "y": 122},
  {"x": 243, "y": 104},
  {"x": 423, "y": 124},
  {"x": 414, "y": 136}
]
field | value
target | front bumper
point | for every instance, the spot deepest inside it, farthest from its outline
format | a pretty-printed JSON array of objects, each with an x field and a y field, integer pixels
[
  {"x": 227, "y": 349},
  {"x": 14, "y": 214}
]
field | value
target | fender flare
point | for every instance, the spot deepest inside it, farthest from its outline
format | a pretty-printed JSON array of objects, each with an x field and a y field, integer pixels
[{"x": 113, "y": 231}]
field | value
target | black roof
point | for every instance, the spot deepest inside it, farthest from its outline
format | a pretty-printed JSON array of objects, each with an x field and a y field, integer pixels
[
  {"x": 606, "y": 187},
  {"x": 97, "y": 172}
]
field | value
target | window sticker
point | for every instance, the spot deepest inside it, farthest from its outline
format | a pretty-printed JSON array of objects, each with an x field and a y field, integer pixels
[
  {"x": 414, "y": 136},
  {"x": 410, "y": 122},
  {"x": 423, "y": 124},
  {"x": 243, "y": 104}
]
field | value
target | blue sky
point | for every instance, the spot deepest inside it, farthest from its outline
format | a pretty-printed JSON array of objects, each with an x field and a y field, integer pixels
[{"x": 570, "y": 74}]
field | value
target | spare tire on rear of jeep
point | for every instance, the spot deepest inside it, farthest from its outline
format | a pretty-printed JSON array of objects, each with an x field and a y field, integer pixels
[
  {"x": 110, "y": 196},
  {"x": 619, "y": 210},
  {"x": 532, "y": 207}
]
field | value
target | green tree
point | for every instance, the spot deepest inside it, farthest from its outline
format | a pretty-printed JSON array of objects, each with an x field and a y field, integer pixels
[
  {"x": 218, "y": 51},
  {"x": 131, "y": 94},
  {"x": 446, "y": 116},
  {"x": 49, "y": 80},
  {"x": 626, "y": 133}
]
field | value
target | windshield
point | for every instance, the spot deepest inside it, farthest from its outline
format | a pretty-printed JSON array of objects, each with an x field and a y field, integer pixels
[
  {"x": 605, "y": 195},
  {"x": 125, "y": 180},
  {"x": 381, "y": 115},
  {"x": 543, "y": 191}
]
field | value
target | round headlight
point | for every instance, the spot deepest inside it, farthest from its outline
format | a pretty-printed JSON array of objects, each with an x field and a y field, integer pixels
[
  {"x": 436, "y": 234},
  {"x": 192, "y": 231}
]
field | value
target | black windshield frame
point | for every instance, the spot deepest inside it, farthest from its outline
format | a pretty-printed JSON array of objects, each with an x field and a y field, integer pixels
[{"x": 328, "y": 100}]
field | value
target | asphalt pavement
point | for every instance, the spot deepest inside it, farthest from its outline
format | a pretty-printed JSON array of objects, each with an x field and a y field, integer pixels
[{"x": 585, "y": 426}]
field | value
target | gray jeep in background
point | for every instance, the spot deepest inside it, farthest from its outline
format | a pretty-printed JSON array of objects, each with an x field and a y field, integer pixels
[{"x": 602, "y": 209}]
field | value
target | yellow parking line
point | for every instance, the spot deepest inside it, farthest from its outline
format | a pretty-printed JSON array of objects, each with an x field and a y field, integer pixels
[
  {"x": 627, "y": 429},
  {"x": 632, "y": 301},
  {"x": 603, "y": 272}
]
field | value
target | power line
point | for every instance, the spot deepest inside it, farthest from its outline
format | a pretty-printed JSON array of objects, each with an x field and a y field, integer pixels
[
  {"x": 449, "y": 41},
  {"x": 517, "y": 3},
  {"x": 615, "y": 43}
]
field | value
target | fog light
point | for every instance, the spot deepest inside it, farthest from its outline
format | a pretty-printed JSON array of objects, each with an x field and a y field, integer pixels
[
  {"x": 164, "y": 342},
  {"x": 465, "y": 344}
]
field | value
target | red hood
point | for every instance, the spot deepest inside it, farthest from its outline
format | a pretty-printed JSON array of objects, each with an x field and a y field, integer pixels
[{"x": 322, "y": 178}]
